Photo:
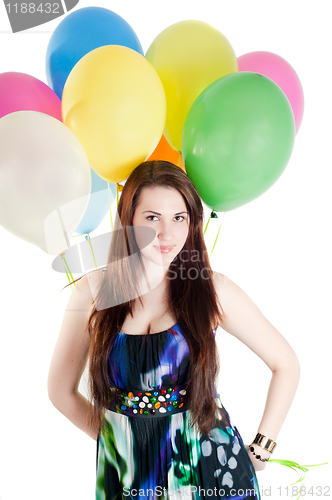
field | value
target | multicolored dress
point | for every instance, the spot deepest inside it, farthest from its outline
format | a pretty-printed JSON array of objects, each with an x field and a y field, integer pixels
[{"x": 150, "y": 451}]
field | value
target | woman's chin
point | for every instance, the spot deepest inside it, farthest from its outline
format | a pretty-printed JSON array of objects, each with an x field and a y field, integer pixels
[{"x": 158, "y": 258}]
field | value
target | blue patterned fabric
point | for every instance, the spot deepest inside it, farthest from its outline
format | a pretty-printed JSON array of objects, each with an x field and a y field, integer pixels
[{"x": 163, "y": 457}]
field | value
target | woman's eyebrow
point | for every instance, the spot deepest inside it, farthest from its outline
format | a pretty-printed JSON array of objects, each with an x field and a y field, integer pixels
[{"x": 178, "y": 213}]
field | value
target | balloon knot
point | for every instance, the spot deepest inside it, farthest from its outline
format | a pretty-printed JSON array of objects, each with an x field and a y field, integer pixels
[{"x": 213, "y": 215}]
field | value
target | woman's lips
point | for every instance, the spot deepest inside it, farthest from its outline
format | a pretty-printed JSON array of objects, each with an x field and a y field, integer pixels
[{"x": 163, "y": 249}]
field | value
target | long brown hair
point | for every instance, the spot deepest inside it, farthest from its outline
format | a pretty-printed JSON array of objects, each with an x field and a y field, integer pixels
[{"x": 192, "y": 301}]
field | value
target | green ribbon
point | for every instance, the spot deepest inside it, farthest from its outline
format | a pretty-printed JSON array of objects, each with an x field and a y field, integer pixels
[
  {"x": 87, "y": 237},
  {"x": 67, "y": 267},
  {"x": 297, "y": 467},
  {"x": 213, "y": 215}
]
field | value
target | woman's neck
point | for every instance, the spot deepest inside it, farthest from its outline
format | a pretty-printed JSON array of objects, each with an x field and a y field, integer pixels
[{"x": 153, "y": 277}]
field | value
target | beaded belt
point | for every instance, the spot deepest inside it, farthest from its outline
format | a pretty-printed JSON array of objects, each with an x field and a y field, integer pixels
[{"x": 149, "y": 404}]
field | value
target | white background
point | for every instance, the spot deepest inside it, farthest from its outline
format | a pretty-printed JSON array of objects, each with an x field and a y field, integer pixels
[{"x": 277, "y": 248}]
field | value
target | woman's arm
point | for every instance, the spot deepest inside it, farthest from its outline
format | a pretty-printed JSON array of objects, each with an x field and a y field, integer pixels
[
  {"x": 70, "y": 357},
  {"x": 243, "y": 319}
]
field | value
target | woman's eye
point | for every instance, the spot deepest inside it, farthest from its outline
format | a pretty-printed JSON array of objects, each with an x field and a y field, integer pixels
[{"x": 149, "y": 217}]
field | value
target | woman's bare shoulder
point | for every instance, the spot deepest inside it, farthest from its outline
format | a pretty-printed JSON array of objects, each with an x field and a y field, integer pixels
[
  {"x": 90, "y": 282},
  {"x": 221, "y": 282},
  {"x": 227, "y": 290}
]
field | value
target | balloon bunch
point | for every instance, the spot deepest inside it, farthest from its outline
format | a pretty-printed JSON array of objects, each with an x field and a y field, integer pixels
[{"x": 228, "y": 123}]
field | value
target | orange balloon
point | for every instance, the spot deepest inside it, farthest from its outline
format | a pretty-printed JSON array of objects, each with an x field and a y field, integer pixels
[{"x": 164, "y": 151}]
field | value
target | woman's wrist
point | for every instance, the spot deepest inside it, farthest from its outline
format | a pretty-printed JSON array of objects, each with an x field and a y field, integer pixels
[{"x": 262, "y": 447}]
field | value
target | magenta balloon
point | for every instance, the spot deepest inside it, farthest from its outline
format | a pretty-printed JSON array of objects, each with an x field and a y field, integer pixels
[
  {"x": 282, "y": 73},
  {"x": 22, "y": 92}
]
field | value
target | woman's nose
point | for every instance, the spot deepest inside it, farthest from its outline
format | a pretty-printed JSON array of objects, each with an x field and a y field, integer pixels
[{"x": 165, "y": 233}]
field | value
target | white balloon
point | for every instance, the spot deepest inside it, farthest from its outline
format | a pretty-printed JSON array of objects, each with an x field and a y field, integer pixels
[{"x": 45, "y": 180}]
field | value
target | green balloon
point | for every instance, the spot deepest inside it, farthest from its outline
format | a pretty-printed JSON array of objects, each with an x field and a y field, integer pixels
[{"x": 237, "y": 139}]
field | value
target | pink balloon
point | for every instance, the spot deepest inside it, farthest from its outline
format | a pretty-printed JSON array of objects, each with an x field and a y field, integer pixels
[
  {"x": 22, "y": 92},
  {"x": 282, "y": 73}
]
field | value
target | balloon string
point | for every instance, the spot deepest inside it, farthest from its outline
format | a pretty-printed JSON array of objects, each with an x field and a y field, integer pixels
[
  {"x": 215, "y": 241},
  {"x": 109, "y": 201},
  {"x": 119, "y": 188},
  {"x": 213, "y": 215},
  {"x": 87, "y": 237},
  {"x": 206, "y": 225},
  {"x": 289, "y": 463},
  {"x": 66, "y": 265},
  {"x": 295, "y": 466}
]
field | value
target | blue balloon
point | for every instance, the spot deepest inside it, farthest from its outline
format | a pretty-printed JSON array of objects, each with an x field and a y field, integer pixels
[
  {"x": 80, "y": 32},
  {"x": 98, "y": 204}
]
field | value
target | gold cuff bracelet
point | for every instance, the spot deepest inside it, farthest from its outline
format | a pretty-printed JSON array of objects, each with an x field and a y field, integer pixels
[{"x": 264, "y": 442}]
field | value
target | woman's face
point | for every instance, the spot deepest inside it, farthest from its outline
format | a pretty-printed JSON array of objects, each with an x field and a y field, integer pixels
[{"x": 164, "y": 210}]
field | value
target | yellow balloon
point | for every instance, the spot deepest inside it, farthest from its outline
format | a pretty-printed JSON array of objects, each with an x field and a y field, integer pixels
[
  {"x": 188, "y": 56},
  {"x": 115, "y": 104}
]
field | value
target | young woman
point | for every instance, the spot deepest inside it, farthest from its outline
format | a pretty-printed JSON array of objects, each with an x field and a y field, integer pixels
[{"x": 147, "y": 323}]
